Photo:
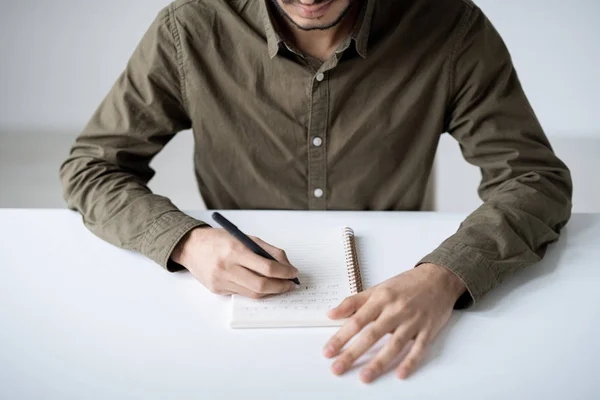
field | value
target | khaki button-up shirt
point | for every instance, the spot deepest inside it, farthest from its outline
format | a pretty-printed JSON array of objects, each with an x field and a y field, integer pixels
[{"x": 277, "y": 129}]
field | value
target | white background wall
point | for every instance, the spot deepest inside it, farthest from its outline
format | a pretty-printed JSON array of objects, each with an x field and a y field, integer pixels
[{"x": 59, "y": 58}]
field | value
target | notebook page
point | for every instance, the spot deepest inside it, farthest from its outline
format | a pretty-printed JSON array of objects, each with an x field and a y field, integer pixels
[{"x": 324, "y": 284}]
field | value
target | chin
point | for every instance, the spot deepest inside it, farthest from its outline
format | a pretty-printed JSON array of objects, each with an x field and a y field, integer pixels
[{"x": 320, "y": 16}]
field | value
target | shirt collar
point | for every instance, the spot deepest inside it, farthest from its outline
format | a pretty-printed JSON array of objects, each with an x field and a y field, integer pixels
[
  {"x": 360, "y": 34},
  {"x": 362, "y": 30},
  {"x": 271, "y": 30}
]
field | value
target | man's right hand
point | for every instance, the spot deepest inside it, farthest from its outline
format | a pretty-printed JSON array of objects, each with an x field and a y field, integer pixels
[{"x": 225, "y": 266}]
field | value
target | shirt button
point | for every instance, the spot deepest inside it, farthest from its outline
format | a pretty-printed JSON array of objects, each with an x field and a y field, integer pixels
[
  {"x": 319, "y": 193},
  {"x": 320, "y": 76},
  {"x": 317, "y": 141}
]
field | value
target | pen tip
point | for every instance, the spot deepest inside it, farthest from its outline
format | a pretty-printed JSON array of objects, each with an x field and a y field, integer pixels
[{"x": 296, "y": 281}]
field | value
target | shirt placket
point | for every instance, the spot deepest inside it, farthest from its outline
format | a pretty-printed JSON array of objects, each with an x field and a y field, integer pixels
[{"x": 317, "y": 141}]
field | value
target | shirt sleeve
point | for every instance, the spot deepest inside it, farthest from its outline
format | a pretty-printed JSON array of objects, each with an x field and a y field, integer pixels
[
  {"x": 526, "y": 189},
  {"x": 106, "y": 174}
]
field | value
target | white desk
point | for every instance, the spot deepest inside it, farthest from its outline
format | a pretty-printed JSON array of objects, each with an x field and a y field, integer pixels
[{"x": 82, "y": 319}]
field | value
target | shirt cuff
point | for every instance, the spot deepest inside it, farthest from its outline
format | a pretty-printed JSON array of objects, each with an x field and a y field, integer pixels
[
  {"x": 164, "y": 234},
  {"x": 469, "y": 266}
]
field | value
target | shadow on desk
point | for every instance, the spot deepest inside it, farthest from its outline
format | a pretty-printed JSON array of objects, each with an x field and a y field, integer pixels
[
  {"x": 518, "y": 288},
  {"x": 530, "y": 279}
]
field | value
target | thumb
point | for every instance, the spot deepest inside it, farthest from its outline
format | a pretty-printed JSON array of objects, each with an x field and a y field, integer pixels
[
  {"x": 276, "y": 252},
  {"x": 349, "y": 306}
]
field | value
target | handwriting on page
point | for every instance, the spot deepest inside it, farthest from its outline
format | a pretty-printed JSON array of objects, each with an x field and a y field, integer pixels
[{"x": 308, "y": 298}]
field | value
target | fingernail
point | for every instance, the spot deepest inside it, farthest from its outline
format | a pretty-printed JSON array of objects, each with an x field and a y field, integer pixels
[
  {"x": 338, "y": 367},
  {"x": 402, "y": 374},
  {"x": 366, "y": 375},
  {"x": 329, "y": 351}
]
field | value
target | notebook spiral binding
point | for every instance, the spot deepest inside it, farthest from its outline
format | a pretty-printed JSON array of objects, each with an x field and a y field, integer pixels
[{"x": 352, "y": 261}]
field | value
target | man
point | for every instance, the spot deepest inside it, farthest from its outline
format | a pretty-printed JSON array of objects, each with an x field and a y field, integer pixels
[{"x": 331, "y": 104}]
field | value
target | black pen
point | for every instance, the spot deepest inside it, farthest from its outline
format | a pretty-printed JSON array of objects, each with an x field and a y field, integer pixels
[{"x": 249, "y": 243}]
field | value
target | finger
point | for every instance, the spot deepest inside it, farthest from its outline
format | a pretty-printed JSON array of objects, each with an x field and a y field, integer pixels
[
  {"x": 258, "y": 284},
  {"x": 388, "y": 353},
  {"x": 266, "y": 267},
  {"x": 277, "y": 253},
  {"x": 364, "y": 342},
  {"x": 414, "y": 356},
  {"x": 234, "y": 288},
  {"x": 349, "y": 306},
  {"x": 366, "y": 314}
]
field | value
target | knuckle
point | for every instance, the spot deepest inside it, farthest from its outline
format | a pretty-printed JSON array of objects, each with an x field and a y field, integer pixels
[
  {"x": 334, "y": 342},
  {"x": 389, "y": 320},
  {"x": 419, "y": 314},
  {"x": 425, "y": 338},
  {"x": 409, "y": 363},
  {"x": 413, "y": 313},
  {"x": 262, "y": 285},
  {"x": 419, "y": 349},
  {"x": 348, "y": 302},
  {"x": 385, "y": 295},
  {"x": 229, "y": 249},
  {"x": 347, "y": 357},
  {"x": 281, "y": 254},
  {"x": 371, "y": 335},
  {"x": 376, "y": 366},
  {"x": 397, "y": 344},
  {"x": 220, "y": 266},
  {"x": 403, "y": 305},
  {"x": 269, "y": 268},
  {"x": 354, "y": 325}
]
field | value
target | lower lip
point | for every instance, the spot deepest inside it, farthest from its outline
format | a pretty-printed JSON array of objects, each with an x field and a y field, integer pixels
[{"x": 313, "y": 12}]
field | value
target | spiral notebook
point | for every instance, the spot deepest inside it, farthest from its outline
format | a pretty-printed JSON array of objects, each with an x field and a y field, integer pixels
[{"x": 329, "y": 271}]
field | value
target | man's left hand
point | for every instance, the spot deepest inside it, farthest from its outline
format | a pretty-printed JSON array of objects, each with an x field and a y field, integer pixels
[{"x": 414, "y": 305}]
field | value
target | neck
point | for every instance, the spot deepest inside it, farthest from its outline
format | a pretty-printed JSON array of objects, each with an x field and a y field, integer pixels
[{"x": 321, "y": 44}]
